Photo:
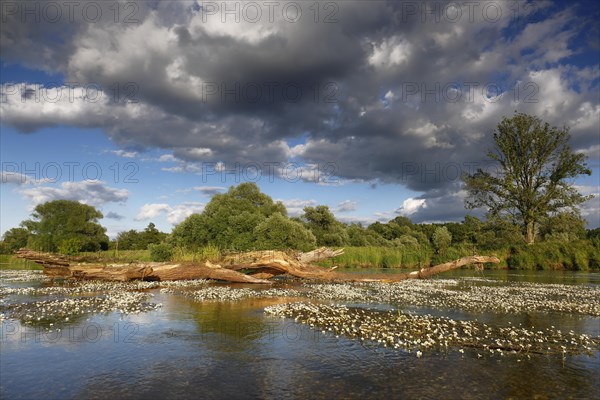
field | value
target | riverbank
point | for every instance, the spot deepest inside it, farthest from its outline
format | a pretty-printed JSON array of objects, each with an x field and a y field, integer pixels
[{"x": 571, "y": 256}]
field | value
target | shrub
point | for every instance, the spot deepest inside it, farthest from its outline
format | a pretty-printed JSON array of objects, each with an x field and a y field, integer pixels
[
  {"x": 69, "y": 246},
  {"x": 278, "y": 232},
  {"x": 160, "y": 252},
  {"x": 441, "y": 239}
]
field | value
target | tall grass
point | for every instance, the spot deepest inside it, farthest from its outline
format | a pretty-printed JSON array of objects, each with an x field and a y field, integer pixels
[
  {"x": 207, "y": 253},
  {"x": 575, "y": 256},
  {"x": 380, "y": 257},
  {"x": 120, "y": 256},
  {"x": 579, "y": 255}
]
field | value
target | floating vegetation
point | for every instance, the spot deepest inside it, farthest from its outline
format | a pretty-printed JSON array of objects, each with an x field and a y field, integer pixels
[
  {"x": 469, "y": 295},
  {"x": 420, "y": 333},
  {"x": 62, "y": 310},
  {"x": 82, "y": 287},
  {"x": 226, "y": 293},
  {"x": 15, "y": 275}
]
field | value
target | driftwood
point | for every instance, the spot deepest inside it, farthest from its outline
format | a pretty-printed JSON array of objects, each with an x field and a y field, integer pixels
[{"x": 261, "y": 265}]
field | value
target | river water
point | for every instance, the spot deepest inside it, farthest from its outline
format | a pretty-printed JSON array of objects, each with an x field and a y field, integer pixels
[{"x": 232, "y": 350}]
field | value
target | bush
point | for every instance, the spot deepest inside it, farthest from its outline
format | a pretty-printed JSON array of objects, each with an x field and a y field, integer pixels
[
  {"x": 441, "y": 239},
  {"x": 70, "y": 246},
  {"x": 160, "y": 252},
  {"x": 278, "y": 232}
]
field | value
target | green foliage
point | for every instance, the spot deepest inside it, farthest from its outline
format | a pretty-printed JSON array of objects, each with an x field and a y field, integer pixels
[
  {"x": 228, "y": 220},
  {"x": 59, "y": 220},
  {"x": 564, "y": 227},
  {"x": 380, "y": 257},
  {"x": 578, "y": 255},
  {"x": 278, "y": 232},
  {"x": 406, "y": 241},
  {"x": 206, "y": 253},
  {"x": 13, "y": 239},
  {"x": 134, "y": 240},
  {"x": 593, "y": 233},
  {"x": 535, "y": 166},
  {"x": 496, "y": 234},
  {"x": 189, "y": 234},
  {"x": 441, "y": 239},
  {"x": 70, "y": 246},
  {"x": 160, "y": 252},
  {"x": 327, "y": 230}
]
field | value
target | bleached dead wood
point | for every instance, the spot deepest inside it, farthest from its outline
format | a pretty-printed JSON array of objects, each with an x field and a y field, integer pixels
[{"x": 262, "y": 265}]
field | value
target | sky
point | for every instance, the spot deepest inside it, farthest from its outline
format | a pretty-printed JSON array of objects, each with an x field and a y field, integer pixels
[{"x": 145, "y": 109}]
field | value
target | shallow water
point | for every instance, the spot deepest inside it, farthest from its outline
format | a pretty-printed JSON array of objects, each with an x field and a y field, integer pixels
[{"x": 231, "y": 349}]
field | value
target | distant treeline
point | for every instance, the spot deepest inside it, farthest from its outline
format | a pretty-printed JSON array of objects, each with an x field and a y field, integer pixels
[{"x": 244, "y": 218}]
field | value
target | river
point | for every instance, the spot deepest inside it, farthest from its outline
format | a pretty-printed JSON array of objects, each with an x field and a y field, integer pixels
[{"x": 213, "y": 349}]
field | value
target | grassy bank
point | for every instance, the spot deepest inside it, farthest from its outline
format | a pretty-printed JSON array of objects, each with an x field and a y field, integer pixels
[
  {"x": 580, "y": 255},
  {"x": 574, "y": 256},
  {"x": 379, "y": 257},
  {"x": 8, "y": 261},
  {"x": 121, "y": 256}
]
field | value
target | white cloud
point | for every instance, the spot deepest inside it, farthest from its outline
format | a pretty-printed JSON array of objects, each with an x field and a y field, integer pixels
[
  {"x": 390, "y": 52},
  {"x": 151, "y": 211},
  {"x": 167, "y": 158},
  {"x": 181, "y": 211},
  {"x": 175, "y": 214},
  {"x": 411, "y": 206},
  {"x": 124, "y": 154},
  {"x": 346, "y": 206},
  {"x": 295, "y": 207},
  {"x": 14, "y": 178},
  {"x": 356, "y": 220},
  {"x": 95, "y": 193}
]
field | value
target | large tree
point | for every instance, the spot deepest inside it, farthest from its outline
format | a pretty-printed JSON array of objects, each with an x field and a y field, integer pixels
[
  {"x": 13, "y": 239},
  {"x": 229, "y": 219},
  {"x": 63, "y": 224},
  {"x": 328, "y": 231},
  {"x": 532, "y": 181}
]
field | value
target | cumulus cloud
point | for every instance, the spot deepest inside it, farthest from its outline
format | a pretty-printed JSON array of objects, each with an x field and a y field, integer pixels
[
  {"x": 92, "y": 192},
  {"x": 14, "y": 178},
  {"x": 295, "y": 207},
  {"x": 381, "y": 94},
  {"x": 125, "y": 154},
  {"x": 175, "y": 214},
  {"x": 113, "y": 215},
  {"x": 151, "y": 210},
  {"x": 346, "y": 206},
  {"x": 411, "y": 206}
]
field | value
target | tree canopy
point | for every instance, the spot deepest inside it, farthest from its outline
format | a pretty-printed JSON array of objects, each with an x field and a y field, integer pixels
[
  {"x": 140, "y": 240},
  {"x": 279, "y": 233},
  {"x": 327, "y": 230},
  {"x": 66, "y": 225},
  {"x": 535, "y": 165},
  {"x": 14, "y": 239},
  {"x": 229, "y": 219}
]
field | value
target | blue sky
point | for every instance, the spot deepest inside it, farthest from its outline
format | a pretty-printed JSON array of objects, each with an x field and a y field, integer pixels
[{"x": 374, "y": 113}]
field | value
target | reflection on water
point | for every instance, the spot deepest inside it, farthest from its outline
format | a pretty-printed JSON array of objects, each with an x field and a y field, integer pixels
[{"x": 189, "y": 349}]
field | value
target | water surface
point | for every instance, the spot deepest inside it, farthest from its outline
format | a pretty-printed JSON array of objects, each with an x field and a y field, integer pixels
[{"x": 231, "y": 350}]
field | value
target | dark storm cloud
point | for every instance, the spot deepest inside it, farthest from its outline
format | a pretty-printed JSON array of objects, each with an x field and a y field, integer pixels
[{"x": 380, "y": 93}]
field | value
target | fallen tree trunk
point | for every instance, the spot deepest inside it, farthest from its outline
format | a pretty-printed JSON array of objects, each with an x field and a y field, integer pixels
[
  {"x": 263, "y": 265},
  {"x": 62, "y": 267}
]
